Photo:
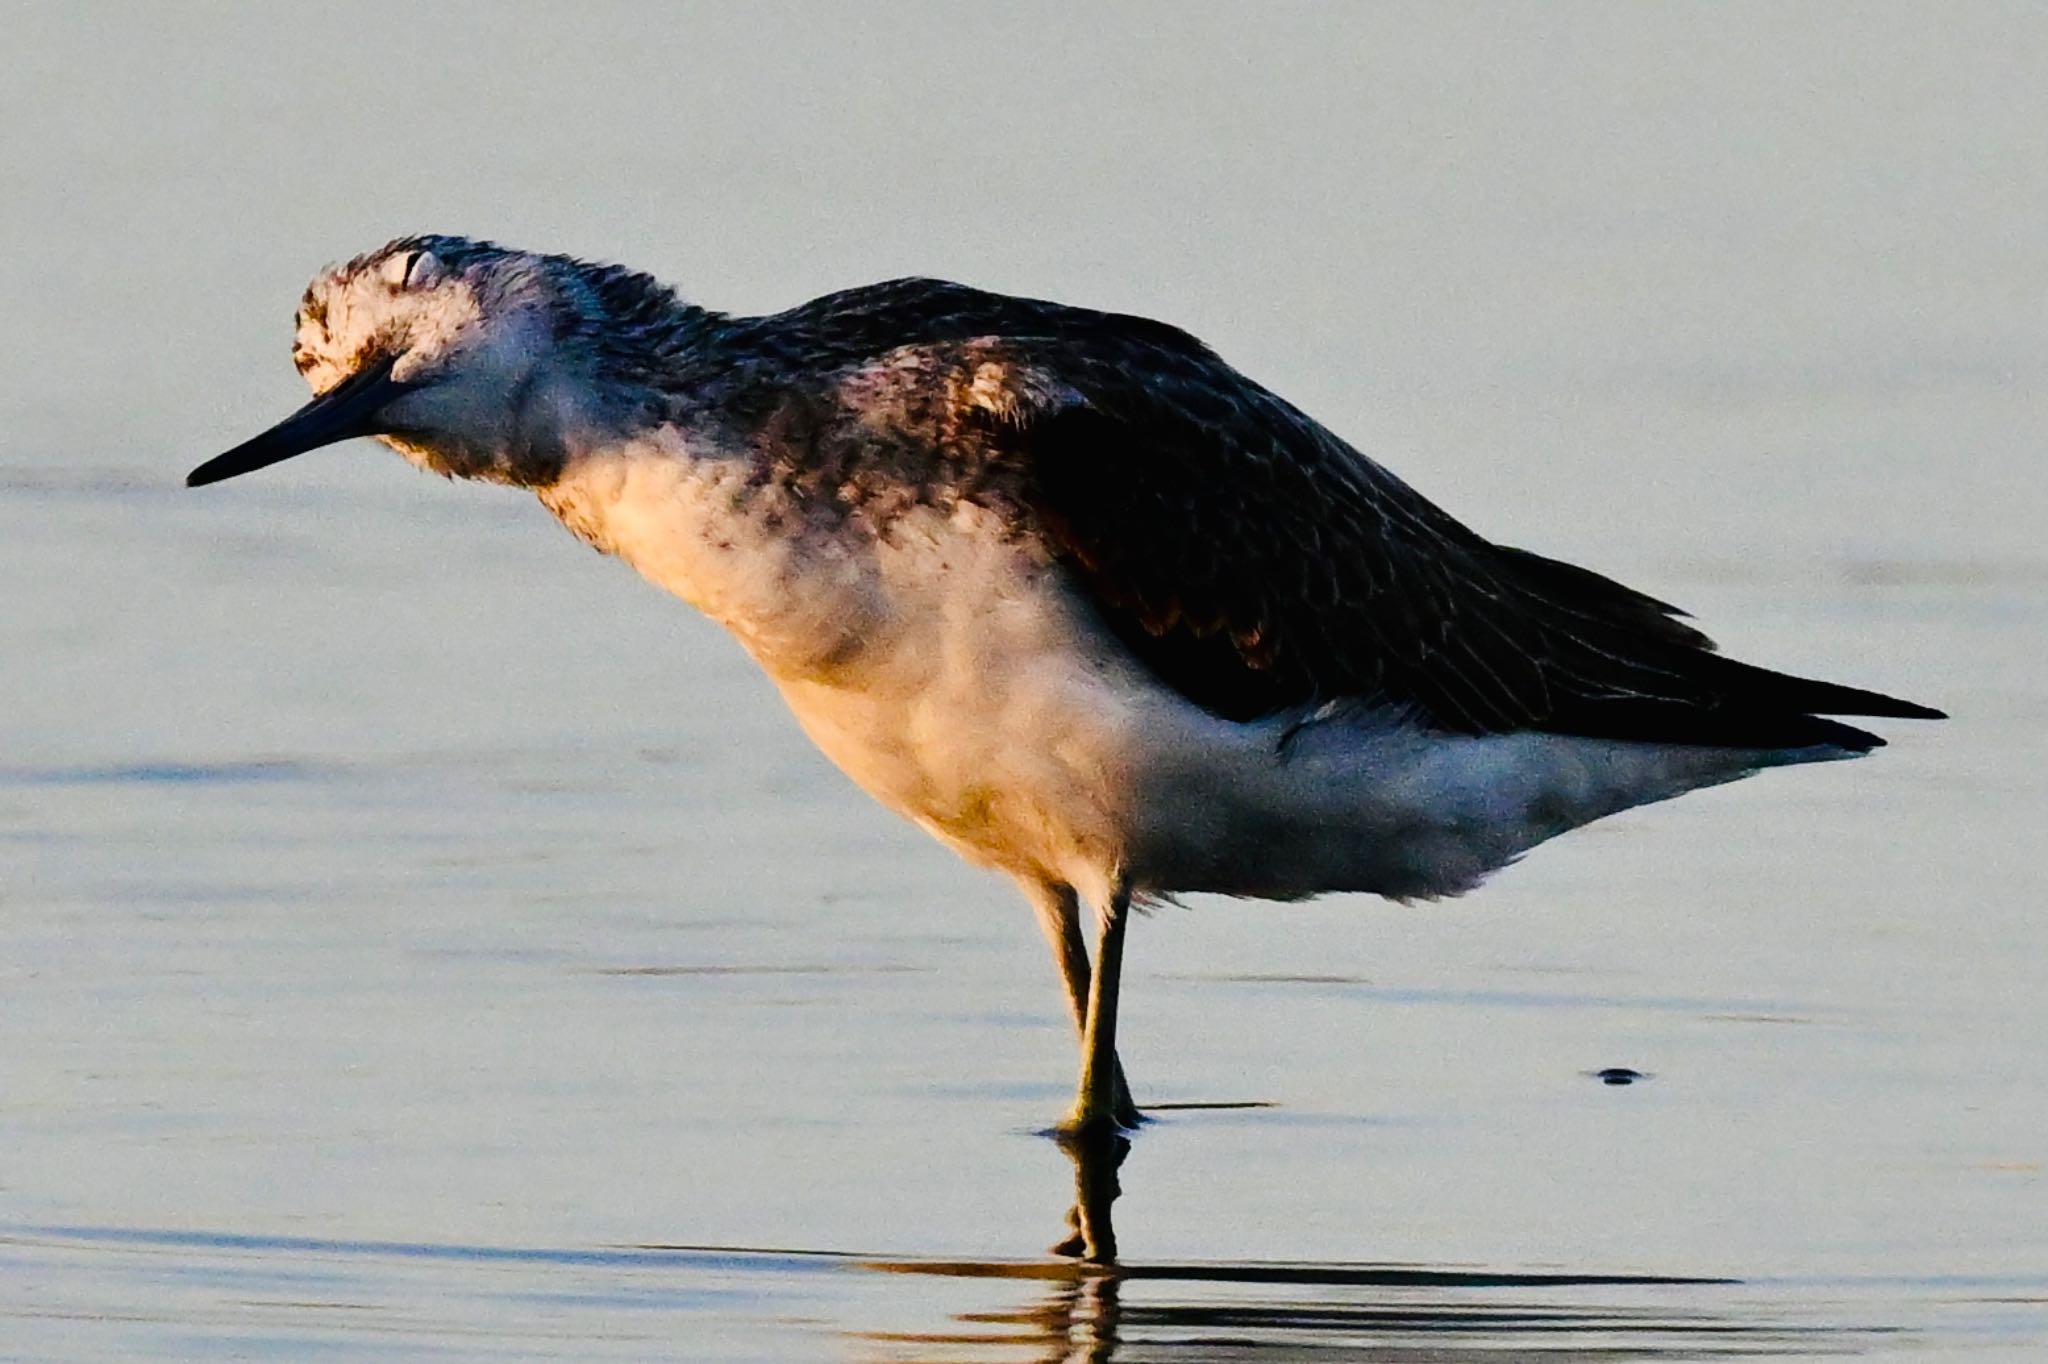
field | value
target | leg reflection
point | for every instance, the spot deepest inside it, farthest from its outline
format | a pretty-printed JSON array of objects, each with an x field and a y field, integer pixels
[
  {"x": 1091, "y": 1232},
  {"x": 1079, "y": 1320}
]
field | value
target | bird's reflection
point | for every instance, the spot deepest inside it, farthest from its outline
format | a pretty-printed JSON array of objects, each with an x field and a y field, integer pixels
[
  {"x": 1088, "y": 1308},
  {"x": 1213, "y": 1314},
  {"x": 1077, "y": 1320},
  {"x": 1091, "y": 1230}
]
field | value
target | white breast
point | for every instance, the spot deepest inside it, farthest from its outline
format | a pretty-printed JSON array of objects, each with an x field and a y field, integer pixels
[
  {"x": 941, "y": 665},
  {"x": 697, "y": 528}
]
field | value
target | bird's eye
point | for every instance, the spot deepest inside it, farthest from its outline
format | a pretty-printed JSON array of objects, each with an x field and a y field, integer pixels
[{"x": 414, "y": 267}]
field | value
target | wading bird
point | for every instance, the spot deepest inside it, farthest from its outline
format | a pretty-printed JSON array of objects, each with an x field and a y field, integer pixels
[{"x": 1061, "y": 586}]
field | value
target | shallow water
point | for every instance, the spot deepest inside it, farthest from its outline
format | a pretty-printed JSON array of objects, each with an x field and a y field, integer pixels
[
  {"x": 146, "y": 1294},
  {"x": 420, "y": 940}
]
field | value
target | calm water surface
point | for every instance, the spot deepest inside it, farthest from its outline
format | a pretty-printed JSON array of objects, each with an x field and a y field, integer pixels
[{"x": 420, "y": 940}]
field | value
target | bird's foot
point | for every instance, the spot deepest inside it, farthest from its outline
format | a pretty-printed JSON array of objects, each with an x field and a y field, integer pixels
[
  {"x": 1102, "y": 1115},
  {"x": 1088, "y": 1124},
  {"x": 1088, "y": 1129},
  {"x": 1093, "y": 1118}
]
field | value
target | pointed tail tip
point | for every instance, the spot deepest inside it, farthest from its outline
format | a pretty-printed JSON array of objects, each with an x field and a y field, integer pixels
[
  {"x": 1890, "y": 708},
  {"x": 1852, "y": 740},
  {"x": 1827, "y": 698}
]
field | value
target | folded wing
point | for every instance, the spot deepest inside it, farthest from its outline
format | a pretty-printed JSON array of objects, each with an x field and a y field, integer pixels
[{"x": 1256, "y": 562}]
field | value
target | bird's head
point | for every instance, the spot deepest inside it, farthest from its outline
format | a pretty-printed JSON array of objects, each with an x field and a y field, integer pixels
[{"x": 469, "y": 359}]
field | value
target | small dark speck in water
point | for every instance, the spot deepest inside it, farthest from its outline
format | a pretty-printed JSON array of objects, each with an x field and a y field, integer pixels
[{"x": 1619, "y": 1075}]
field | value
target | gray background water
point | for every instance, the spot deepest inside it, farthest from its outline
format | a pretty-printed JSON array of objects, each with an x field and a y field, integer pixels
[{"x": 407, "y": 913}]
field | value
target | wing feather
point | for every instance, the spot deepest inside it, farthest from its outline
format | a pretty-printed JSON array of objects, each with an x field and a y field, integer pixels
[{"x": 1257, "y": 562}]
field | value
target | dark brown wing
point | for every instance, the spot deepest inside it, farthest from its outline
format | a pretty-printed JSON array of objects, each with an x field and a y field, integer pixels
[{"x": 1256, "y": 562}]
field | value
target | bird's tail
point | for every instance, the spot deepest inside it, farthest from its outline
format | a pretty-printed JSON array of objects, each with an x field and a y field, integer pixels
[{"x": 1767, "y": 709}]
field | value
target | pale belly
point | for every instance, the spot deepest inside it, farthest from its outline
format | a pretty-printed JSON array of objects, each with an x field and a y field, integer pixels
[
  {"x": 985, "y": 711},
  {"x": 943, "y": 667},
  {"x": 1018, "y": 777}
]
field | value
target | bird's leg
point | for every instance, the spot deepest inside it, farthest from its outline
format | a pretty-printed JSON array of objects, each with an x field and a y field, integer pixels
[
  {"x": 1095, "y": 1102},
  {"x": 1059, "y": 915}
]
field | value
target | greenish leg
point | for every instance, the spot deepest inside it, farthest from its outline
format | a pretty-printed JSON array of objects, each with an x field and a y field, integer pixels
[{"x": 1102, "y": 1102}]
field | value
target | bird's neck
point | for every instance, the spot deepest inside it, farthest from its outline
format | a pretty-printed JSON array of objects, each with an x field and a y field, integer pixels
[
  {"x": 589, "y": 389},
  {"x": 647, "y": 355}
]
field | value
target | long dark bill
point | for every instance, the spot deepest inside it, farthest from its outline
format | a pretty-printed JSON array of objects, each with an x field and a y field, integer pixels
[{"x": 347, "y": 410}]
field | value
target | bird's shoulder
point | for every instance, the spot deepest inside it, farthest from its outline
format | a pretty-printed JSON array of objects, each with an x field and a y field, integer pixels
[
  {"x": 918, "y": 308},
  {"x": 979, "y": 377},
  {"x": 853, "y": 326},
  {"x": 947, "y": 388}
]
